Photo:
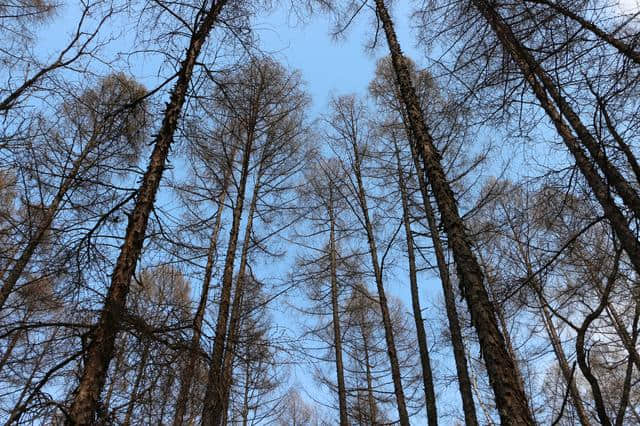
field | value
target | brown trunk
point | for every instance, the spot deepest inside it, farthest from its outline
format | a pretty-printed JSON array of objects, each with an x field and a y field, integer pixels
[
  {"x": 464, "y": 383},
  {"x": 541, "y": 83},
  {"x": 100, "y": 350},
  {"x": 187, "y": 373},
  {"x": 382, "y": 298},
  {"x": 373, "y": 412},
  {"x": 626, "y": 390},
  {"x": 335, "y": 309},
  {"x": 509, "y": 395},
  {"x": 582, "y": 354},
  {"x": 427, "y": 374},
  {"x": 213, "y": 401},
  {"x": 236, "y": 309}
]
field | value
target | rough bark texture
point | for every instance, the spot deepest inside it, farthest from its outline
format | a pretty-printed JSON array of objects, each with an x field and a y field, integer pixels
[
  {"x": 510, "y": 397},
  {"x": 100, "y": 350},
  {"x": 427, "y": 374},
  {"x": 464, "y": 382}
]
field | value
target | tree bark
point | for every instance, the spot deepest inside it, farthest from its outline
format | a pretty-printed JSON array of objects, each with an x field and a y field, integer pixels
[
  {"x": 215, "y": 390},
  {"x": 382, "y": 298},
  {"x": 236, "y": 309},
  {"x": 335, "y": 310},
  {"x": 427, "y": 373},
  {"x": 100, "y": 350},
  {"x": 510, "y": 397}
]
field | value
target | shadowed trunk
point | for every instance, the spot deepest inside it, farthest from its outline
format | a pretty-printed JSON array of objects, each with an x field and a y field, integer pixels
[
  {"x": 510, "y": 397},
  {"x": 100, "y": 350},
  {"x": 427, "y": 373},
  {"x": 213, "y": 401}
]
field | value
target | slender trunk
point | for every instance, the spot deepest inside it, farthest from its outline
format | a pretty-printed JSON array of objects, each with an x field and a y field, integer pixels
[
  {"x": 382, "y": 298},
  {"x": 627, "y": 341},
  {"x": 622, "y": 145},
  {"x": 562, "y": 359},
  {"x": 619, "y": 45},
  {"x": 245, "y": 397},
  {"x": 100, "y": 350},
  {"x": 373, "y": 412},
  {"x": 427, "y": 374},
  {"x": 236, "y": 309},
  {"x": 215, "y": 391},
  {"x": 541, "y": 83},
  {"x": 510, "y": 396},
  {"x": 626, "y": 391},
  {"x": 335, "y": 309},
  {"x": 136, "y": 385},
  {"x": 187, "y": 373},
  {"x": 165, "y": 396},
  {"x": 464, "y": 383}
]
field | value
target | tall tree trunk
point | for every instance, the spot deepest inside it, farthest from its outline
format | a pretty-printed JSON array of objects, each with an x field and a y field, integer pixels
[
  {"x": 510, "y": 396},
  {"x": 215, "y": 390},
  {"x": 427, "y": 373},
  {"x": 335, "y": 310},
  {"x": 542, "y": 84},
  {"x": 373, "y": 411},
  {"x": 382, "y": 298},
  {"x": 581, "y": 352},
  {"x": 100, "y": 350},
  {"x": 236, "y": 309},
  {"x": 464, "y": 383},
  {"x": 187, "y": 373}
]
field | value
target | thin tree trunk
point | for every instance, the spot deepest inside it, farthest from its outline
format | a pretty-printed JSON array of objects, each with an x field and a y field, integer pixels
[
  {"x": 215, "y": 391},
  {"x": 464, "y": 383},
  {"x": 510, "y": 396},
  {"x": 335, "y": 308},
  {"x": 187, "y": 374},
  {"x": 236, "y": 309},
  {"x": 581, "y": 353},
  {"x": 562, "y": 359},
  {"x": 427, "y": 373},
  {"x": 373, "y": 412},
  {"x": 382, "y": 298},
  {"x": 100, "y": 350},
  {"x": 44, "y": 223}
]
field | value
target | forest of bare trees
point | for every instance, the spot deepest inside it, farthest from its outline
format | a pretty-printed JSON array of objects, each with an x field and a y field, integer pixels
[{"x": 190, "y": 235}]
